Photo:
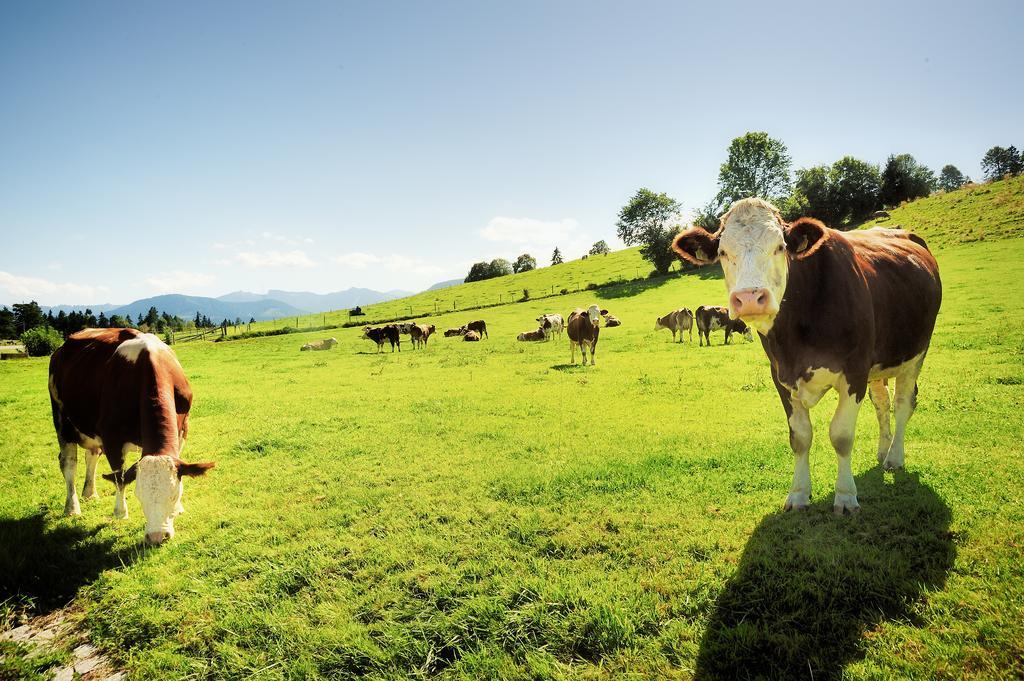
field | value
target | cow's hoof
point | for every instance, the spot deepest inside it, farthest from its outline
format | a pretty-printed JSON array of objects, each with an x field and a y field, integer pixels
[
  {"x": 797, "y": 501},
  {"x": 892, "y": 465},
  {"x": 845, "y": 503},
  {"x": 90, "y": 497},
  {"x": 71, "y": 511}
]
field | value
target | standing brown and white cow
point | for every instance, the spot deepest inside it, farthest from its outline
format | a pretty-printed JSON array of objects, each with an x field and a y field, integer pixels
[
  {"x": 420, "y": 333},
  {"x": 116, "y": 390},
  {"x": 842, "y": 310},
  {"x": 584, "y": 327},
  {"x": 677, "y": 320},
  {"x": 714, "y": 318}
]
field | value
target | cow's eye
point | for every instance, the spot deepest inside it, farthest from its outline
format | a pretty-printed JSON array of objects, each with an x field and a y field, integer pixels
[
  {"x": 723, "y": 255},
  {"x": 780, "y": 249}
]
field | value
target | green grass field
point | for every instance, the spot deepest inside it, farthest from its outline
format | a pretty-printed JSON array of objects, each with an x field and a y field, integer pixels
[{"x": 486, "y": 511}]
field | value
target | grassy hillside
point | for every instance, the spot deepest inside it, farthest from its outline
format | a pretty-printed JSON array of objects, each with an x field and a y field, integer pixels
[
  {"x": 486, "y": 511},
  {"x": 576, "y": 275},
  {"x": 986, "y": 212},
  {"x": 976, "y": 213}
]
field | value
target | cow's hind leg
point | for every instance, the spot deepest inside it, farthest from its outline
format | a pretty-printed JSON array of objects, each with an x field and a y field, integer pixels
[
  {"x": 800, "y": 435},
  {"x": 905, "y": 402},
  {"x": 841, "y": 432},
  {"x": 89, "y": 492},
  {"x": 572, "y": 352},
  {"x": 880, "y": 398},
  {"x": 69, "y": 467}
]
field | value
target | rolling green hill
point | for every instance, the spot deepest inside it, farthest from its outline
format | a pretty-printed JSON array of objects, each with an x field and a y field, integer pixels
[
  {"x": 975, "y": 213},
  {"x": 984, "y": 212}
]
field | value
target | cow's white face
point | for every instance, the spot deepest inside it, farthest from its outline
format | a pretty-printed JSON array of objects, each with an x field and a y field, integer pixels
[
  {"x": 752, "y": 249},
  {"x": 158, "y": 488},
  {"x": 594, "y": 313}
]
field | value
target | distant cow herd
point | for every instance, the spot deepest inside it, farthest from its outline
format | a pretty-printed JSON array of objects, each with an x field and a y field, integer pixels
[{"x": 848, "y": 311}]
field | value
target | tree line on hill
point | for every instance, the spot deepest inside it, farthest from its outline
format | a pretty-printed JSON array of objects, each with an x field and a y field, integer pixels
[
  {"x": 499, "y": 267},
  {"x": 841, "y": 195},
  {"x": 42, "y": 333}
]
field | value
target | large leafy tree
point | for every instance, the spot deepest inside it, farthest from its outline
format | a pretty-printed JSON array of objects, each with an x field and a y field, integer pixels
[
  {"x": 999, "y": 162},
  {"x": 600, "y": 248},
  {"x": 651, "y": 221},
  {"x": 8, "y": 330},
  {"x": 951, "y": 179},
  {"x": 757, "y": 165},
  {"x": 27, "y": 316},
  {"x": 904, "y": 179},
  {"x": 498, "y": 267},
  {"x": 524, "y": 263},
  {"x": 477, "y": 272},
  {"x": 856, "y": 187}
]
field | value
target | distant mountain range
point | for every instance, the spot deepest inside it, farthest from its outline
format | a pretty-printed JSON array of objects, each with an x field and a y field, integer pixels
[
  {"x": 446, "y": 284},
  {"x": 318, "y": 302},
  {"x": 242, "y": 304}
]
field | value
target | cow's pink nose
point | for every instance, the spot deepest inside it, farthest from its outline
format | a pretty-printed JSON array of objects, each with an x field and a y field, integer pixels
[
  {"x": 749, "y": 302},
  {"x": 157, "y": 537}
]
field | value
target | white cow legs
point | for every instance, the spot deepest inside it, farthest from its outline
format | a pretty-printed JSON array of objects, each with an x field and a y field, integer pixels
[
  {"x": 879, "y": 392},
  {"x": 906, "y": 401},
  {"x": 120, "y": 505},
  {"x": 800, "y": 436},
  {"x": 69, "y": 467},
  {"x": 841, "y": 432},
  {"x": 92, "y": 457}
]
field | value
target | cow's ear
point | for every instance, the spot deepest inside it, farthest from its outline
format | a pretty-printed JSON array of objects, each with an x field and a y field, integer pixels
[
  {"x": 697, "y": 246},
  {"x": 804, "y": 237},
  {"x": 194, "y": 469},
  {"x": 604, "y": 313},
  {"x": 128, "y": 476}
]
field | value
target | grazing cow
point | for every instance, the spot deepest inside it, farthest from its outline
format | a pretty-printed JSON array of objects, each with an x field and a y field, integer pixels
[
  {"x": 714, "y": 318},
  {"x": 480, "y": 326},
  {"x": 420, "y": 333},
  {"x": 539, "y": 334},
  {"x": 584, "y": 326},
  {"x": 842, "y": 310},
  {"x": 551, "y": 324},
  {"x": 677, "y": 320},
  {"x": 325, "y": 344},
  {"x": 449, "y": 333},
  {"x": 119, "y": 390},
  {"x": 471, "y": 336},
  {"x": 611, "y": 321},
  {"x": 382, "y": 335}
]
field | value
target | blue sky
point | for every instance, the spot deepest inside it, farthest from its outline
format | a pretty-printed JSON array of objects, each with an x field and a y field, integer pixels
[{"x": 203, "y": 148}]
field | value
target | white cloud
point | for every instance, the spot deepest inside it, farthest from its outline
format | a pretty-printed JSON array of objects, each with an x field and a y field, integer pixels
[
  {"x": 49, "y": 292},
  {"x": 529, "y": 231},
  {"x": 392, "y": 263},
  {"x": 179, "y": 280},
  {"x": 357, "y": 260},
  {"x": 264, "y": 259}
]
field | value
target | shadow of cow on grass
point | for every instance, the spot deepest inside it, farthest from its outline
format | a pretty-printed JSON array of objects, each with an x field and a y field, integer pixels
[
  {"x": 810, "y": 584},
  {"x": 43, "y": 563}
]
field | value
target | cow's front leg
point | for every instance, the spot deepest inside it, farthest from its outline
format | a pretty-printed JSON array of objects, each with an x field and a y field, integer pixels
[
  {"x": 800, "y": 435},
  {"x": 841, "y": 432},
  {"x": 89, "y": 492},
  {"x": 69, "y": 467}
]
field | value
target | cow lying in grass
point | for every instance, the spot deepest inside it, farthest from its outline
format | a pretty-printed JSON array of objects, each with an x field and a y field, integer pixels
[
  {"x": 538, "y": 334},
  {"x": 325, "y": 344}
]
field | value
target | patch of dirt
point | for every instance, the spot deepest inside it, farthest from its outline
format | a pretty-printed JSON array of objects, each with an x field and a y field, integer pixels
[{"x": 55, "y": 632}]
